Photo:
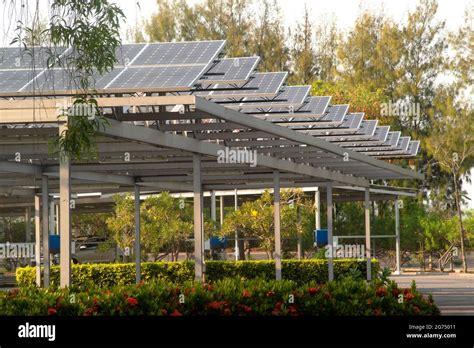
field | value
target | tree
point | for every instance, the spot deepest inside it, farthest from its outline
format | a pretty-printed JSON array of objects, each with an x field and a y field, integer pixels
[
  {"x": 302, "y": 53},
  {"x": 327, "y": 39},
  {"x": 122, "y": 223},
  {"x": 168, "y": 222},
  {"x": 452, "y": 146},
  {"x": 254, "y": 219}
]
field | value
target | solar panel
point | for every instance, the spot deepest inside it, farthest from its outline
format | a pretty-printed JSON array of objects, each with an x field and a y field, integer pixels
[
  {"x": 261, "y": 85},
  {"x": 392, "y": 139},
  {"x": 413, "y": 148},
  {"x": 335, "y": 113},
  {"x": 13, "y": 80},
  {"x": 126, "y": 53},
  {"x": 180, "y": 53},
  {"x": 403, "y": 144},
  {"x": 309, "y": 111},
  {"x": 289, "y": 97},
  {"x": 17, "y": 58},
  {"x": 62, "y": 80},
  {"x": 230, "y": 70},
  {"x": 156, "y": 78},
  {"x": 367, "y": 129}
]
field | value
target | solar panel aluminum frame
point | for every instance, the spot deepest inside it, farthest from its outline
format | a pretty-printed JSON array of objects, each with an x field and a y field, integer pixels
[
  {"x": 237, "y": 94},
  {"x": 276, "y": 102},
  {"x": 208, "y": 79}
]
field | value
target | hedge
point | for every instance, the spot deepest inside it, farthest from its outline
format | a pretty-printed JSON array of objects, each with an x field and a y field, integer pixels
[
  {"x": 106, "y": 275},
  {"x": 224, "y": 297}
]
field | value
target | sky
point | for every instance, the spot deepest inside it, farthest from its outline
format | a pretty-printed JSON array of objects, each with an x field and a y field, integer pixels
[{"x": 344, "y": 12}]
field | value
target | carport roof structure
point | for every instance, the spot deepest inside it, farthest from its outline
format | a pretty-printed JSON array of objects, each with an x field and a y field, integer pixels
[{"x": 168, "y": 129}]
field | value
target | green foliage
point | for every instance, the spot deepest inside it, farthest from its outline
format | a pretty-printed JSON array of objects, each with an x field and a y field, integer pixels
[
  {"x": 254, "y": 219},
  {"x": 227, "y": 297},
  {"x": 92, "y": 30},
  {"x": 167, "y": 223},
  {"x": 106, "y": 275}
]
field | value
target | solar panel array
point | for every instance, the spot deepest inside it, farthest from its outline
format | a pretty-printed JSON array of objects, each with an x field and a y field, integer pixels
[{"x": 197, "y": 68}]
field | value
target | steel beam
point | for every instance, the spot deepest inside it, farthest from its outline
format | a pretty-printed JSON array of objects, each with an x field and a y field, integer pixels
[
  {"x": 37, "y": 241},
  {"x": 198, "y": 240},
  {"x": 367, "y": 233},
  {"x": 45, "y": 226},
  {"x": 277, "y": 223},
  {"x": 330, "y": 231},
  {"x": 137, "y": 235}
]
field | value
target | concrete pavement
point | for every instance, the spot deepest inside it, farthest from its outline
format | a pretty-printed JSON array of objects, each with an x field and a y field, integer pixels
[{"x": 453, "y": 293}]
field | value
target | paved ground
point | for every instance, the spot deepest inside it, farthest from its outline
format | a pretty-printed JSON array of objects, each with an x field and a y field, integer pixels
[{"x": 453, "y": 292}]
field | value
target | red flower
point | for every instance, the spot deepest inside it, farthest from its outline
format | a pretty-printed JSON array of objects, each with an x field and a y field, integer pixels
[
  {"x": 369, "y": 301},
  {"x": 278, "y": 305},
  {"x": 164, "y": 311},
  {"x": 95, "y": 301},
  {"x": 132, "y": 301},
  {"x": 292, "y": 310},
  {"x": 215, "y": 305},
  {"x": 176, "y": 313},
  {"x": 275, "y": 312},
  {"x": 270, "y": 294},
  {"x": 377, "y": 311},
  {"x": 313, "y": 291},
  {"x": 89, "y": 311},
  {"x": 52, "y": 311},
  {"x": 395, "y": 292},
  {"x": 227, "y": 311},
  {"x": 409, "y": 296},
  {"x": 381, "y": 291},
  {"x": 327, "y": 295},
  {"x": 246, "y": 294},
  {"x": 246, "y": 309}
]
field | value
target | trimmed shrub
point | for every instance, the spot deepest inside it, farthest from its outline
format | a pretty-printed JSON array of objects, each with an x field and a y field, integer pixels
[
  {"x": 107, "y": 275},
  {"x": 236, "y": 297}
]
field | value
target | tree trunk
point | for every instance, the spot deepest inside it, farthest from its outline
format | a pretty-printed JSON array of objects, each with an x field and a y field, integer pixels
[{"x": 461, "y": 225}]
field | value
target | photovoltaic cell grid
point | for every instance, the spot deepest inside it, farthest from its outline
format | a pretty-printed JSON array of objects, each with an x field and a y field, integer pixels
[
  {"x": 62, "y": 80},
  {"x": 148, "y": 66},
  {"x": 287, "y": 99},
  {"x": 180, "y": 53},
  {"x": 156, "y": 77},
  {"x": 16, "y": 58},
  {"x": 261, "y": 85},
  {"x": 230, "y": 70}
]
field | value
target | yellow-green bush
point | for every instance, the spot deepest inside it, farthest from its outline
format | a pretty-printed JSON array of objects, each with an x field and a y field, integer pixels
[{"x": 106, "y": 275}]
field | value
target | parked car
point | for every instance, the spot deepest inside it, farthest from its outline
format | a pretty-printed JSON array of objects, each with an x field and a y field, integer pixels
[{"x": 96, "y": 250}]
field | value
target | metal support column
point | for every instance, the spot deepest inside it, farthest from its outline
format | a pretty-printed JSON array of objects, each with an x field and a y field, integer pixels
[
  {"x": 221, "y": 209},
  {"x": 367, "y": 233},
  {"x": 276, "y": 223},
  {"x": 213, "y": 206},
  {"x": 397, "y": 236},
  {"x": 45, "y": 227},
  {"x": 28, "y": 224},
  {"x": 317, "y": 208},
  {"x": 236, "y": 206},
  {"x": 37, "y": 240},
  {"x": 198, "y": 240},
  {"x": 330, "y": 231},
  {"x": 137, "y": 236},
  {"x": 65, "y": 219}
]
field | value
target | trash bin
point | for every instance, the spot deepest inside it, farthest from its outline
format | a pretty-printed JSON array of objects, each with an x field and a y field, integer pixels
[
  {"x": 321, "y": 237},
  {"x": 54, "y": 244}
]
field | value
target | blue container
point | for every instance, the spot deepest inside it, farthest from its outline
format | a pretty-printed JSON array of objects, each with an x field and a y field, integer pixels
[
  {"x": 321, "y": 237},
  {"x": 54, "y": 244},
  {"x": 218, "y": 243}
]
